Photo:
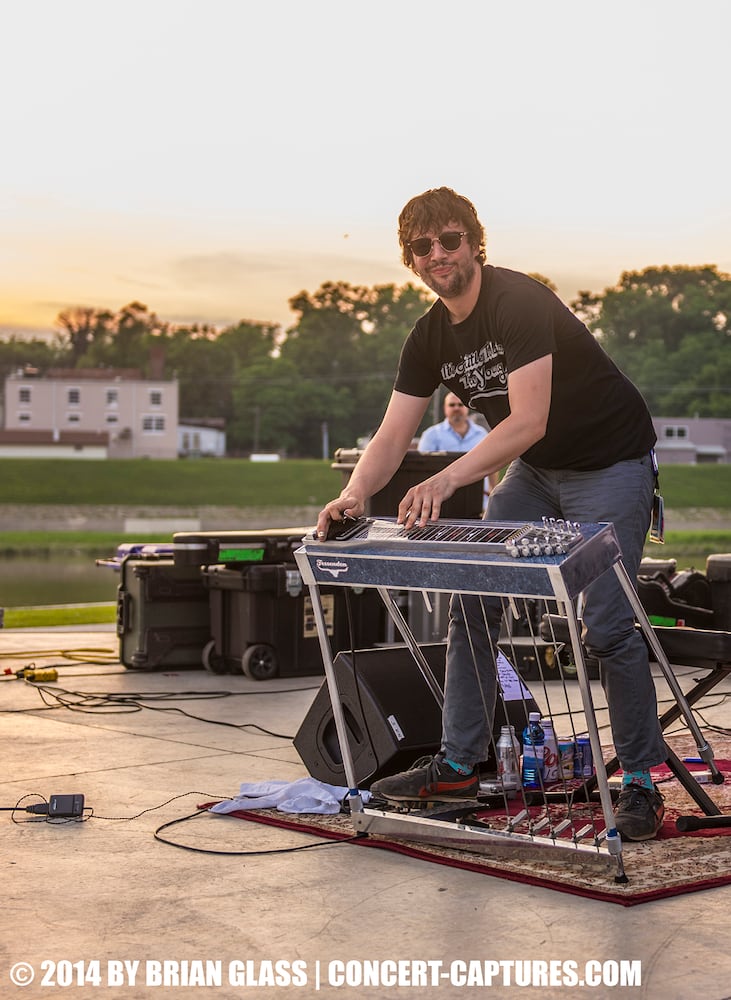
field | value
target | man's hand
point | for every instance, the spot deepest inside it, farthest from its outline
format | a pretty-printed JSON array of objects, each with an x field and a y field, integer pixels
[
  {"x": 345, "y": 506},
  {"x": 424, "y": 502}
]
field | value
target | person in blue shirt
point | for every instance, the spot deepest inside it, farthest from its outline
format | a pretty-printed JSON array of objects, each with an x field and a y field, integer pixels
[{"x": 456, "y": 433}]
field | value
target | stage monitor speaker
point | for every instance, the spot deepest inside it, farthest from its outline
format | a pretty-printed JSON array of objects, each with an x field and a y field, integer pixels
[{"x": 391, "y": 715}]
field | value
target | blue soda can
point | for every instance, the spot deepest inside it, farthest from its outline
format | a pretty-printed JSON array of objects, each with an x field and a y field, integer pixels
[{"x": 583, "y": 758}]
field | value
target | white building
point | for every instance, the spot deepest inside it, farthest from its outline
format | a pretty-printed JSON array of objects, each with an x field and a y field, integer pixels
[
  {"x": 137, "y": 417},
  {"x": 54, "y": 444},
  {"x": 692, "y": 440},
  {"x": 201, "y": 439}
]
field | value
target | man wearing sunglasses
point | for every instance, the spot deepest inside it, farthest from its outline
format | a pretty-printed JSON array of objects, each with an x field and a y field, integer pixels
[{"x": 577, "y": 438}]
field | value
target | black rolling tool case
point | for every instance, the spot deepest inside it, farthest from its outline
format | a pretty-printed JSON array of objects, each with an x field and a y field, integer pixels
[
  {"x": 163, "y": 619},
  {"x": 263, "y": 624}
]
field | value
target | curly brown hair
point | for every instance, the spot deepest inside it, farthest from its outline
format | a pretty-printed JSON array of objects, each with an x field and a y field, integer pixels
[{"x": 431, "y": 212}]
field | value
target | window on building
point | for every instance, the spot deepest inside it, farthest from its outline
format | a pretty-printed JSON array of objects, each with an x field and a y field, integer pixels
[
  {"x": 74, "y": 397},
  {"x": 675, "y": 432},
  {"x": 112, "y": 418},
  {"x": 155, "y": 397},
  {"x": 153, "y": 425},
  {"x": 112, "y": 398},
  {"x": 73, "y": 418},
  {"x": 24, "y": 418},
  {"x": 24, "y": 394}
]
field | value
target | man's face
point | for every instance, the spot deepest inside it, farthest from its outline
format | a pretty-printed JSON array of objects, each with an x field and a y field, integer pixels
[
  {"x": 446, "y": 272},
  {"x": 454, "y": 410}
]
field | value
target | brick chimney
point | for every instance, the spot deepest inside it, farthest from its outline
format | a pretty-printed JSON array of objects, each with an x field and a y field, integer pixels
[{"x": 157, "y": 361}]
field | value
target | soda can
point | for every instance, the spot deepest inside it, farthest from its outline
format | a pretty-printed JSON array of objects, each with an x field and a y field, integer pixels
[
  {"x": 583, "y": 758},
  {"x": 566, "y": 758}
]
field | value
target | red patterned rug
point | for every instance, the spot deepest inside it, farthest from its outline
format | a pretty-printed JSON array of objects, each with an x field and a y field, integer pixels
[{"x": 671, "y": 865}]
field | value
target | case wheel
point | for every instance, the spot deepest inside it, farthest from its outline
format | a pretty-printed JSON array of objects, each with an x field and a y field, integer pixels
[
  {"x": 259, "y": 662},
  {"x": 211, "y": 659}
]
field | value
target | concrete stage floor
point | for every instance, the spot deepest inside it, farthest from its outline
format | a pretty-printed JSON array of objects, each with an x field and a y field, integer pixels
[{"x": 105, "y": 891}]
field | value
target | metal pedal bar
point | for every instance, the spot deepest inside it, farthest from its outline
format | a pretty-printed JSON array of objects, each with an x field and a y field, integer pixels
[{"x": 704, "y": 749}]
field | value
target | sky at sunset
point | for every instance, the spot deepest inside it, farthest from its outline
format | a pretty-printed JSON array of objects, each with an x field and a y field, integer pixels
[{"x": 212, "y": 160}]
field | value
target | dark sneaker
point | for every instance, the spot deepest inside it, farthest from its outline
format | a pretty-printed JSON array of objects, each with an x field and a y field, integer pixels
[
  {"x": 430, "y": 779},
  {"x": 639, "y": 812}
]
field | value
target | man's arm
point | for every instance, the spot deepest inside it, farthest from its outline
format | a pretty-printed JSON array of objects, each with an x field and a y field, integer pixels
[{"x": 380, "y": 460}]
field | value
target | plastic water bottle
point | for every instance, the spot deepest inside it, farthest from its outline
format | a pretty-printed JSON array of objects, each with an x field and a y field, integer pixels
[
  {"x": 533, "y": 748},
  {"x": 508, "y": 756},
  {"x": 551, "y": 760}
]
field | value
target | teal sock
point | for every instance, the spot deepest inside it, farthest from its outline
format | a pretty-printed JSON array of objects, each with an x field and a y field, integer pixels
[
  {"x": 641, "y": 778},
  {"x": 459, "y": 768}
]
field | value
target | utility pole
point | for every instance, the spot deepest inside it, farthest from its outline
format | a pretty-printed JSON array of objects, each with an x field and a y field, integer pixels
[{"x": 257, "y": 419}]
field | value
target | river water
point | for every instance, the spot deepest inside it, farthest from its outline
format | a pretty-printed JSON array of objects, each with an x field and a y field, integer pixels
[
  {"x": 76, "y": 579},
  {"x": 28, "y": 582}
]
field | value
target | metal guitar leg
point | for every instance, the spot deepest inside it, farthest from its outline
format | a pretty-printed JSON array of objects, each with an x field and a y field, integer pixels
[
  {"x": 354, "y": 798},
  {"x": 614, "y": 841},
  {"x": 408, "y": 637},
  {"x": 704, "y": 749}
]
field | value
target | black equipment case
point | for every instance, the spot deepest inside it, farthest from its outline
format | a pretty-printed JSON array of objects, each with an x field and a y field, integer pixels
[
  {"x": 466, "y": 502},
  {"x": 237, "y": 548},
  {"x": 718, "y": 571},
  {"x": 162, "y": 614},
  {"x": 678, "y": 599}
]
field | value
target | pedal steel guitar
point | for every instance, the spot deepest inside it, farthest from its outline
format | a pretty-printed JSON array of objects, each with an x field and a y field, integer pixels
[{"x": 553, "y": 560}]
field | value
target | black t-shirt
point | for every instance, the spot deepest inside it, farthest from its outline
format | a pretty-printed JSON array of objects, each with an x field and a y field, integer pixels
[{"x": 597, "y": 416}]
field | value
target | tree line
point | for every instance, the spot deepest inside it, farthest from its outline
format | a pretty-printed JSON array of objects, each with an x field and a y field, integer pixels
[{"x": 328, "y": 376}]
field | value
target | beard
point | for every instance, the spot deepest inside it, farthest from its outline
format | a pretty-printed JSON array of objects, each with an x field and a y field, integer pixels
[{"x": 453, "y": 282}]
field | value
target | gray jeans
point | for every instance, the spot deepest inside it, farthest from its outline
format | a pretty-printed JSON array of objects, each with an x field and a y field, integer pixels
[{"x": 621, "y": 494}]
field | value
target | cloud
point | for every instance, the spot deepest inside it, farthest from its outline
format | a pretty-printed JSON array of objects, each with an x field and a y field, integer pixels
[{"x": 222, "y": 268}]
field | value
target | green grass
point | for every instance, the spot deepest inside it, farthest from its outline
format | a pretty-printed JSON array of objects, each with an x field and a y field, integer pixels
[
  {"x": 690, "y": 548},
  {"x": 685, "y": 486},
  {"x": 92, "y": 614},
  {"x": 682, "y": 542},
  {"x": 219, "y": 482},
  {"x": 240, "y": 483}
]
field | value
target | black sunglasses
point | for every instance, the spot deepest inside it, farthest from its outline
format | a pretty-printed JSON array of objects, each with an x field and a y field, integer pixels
[{"x": 423, "y": 246}]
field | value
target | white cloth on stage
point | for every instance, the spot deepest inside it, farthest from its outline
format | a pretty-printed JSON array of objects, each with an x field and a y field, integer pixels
[{"x": 305, "y": 795}]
